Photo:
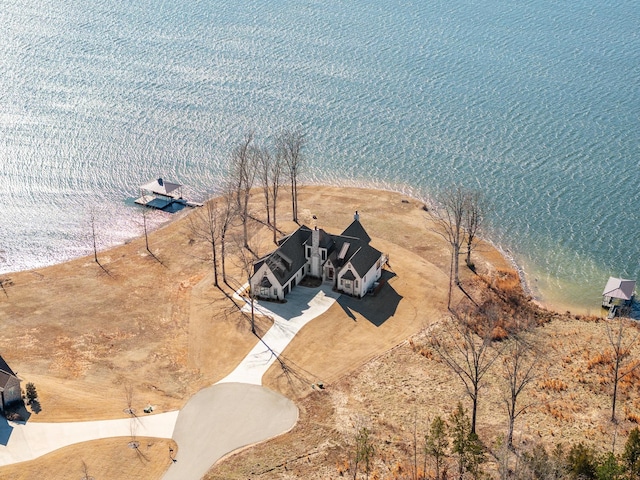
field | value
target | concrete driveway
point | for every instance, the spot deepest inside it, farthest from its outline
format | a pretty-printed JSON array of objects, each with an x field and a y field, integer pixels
[
  {"x": 303, "y": 305},
  {"x": 223, "y": 418},
  {"x": 21, "y": 442},
  {"x": 235, "y": 412}
]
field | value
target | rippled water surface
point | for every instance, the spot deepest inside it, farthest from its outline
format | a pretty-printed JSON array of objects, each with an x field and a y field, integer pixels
[{"x": 536, "y": 103}]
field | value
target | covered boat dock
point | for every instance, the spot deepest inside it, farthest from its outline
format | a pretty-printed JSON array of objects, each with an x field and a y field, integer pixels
[{"x": 163, "y": 195}]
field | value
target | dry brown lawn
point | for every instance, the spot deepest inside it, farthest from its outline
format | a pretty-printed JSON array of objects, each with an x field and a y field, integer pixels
[
  {"x": 80, "y": 334},
  {"x": 108, "y": 458}
]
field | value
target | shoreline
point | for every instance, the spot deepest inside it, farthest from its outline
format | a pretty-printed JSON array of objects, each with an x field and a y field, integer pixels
[{"x": 536, "y": 295}]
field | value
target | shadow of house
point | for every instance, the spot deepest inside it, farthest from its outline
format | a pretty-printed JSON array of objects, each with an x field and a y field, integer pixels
[
  {"x": 5, "y": 431},
  {"x": 376, "y": 309}
]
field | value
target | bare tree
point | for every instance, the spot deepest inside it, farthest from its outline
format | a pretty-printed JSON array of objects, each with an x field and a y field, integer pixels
[
  {"x": 228, "y": 213},
  {"x": 243, "y": 170},
  {"x": 289, "y": 145},
  {"x": 274, "y": 187},
  {"x": 449, "y": 217},
  {"x": 473, "y": 219},
  {"x": 85, "y": 472},
  {"x": 92, "y": 221},
  {"x": 469, "y": 354},
  {"x": 4, "y": 282},
  {"x": 519, "y": 369},
  {"x": 246, "y": 258},
  {"x": 205, "y": 224},
  {"x": 94, "y": 238},
  {"x": 621, "y": 341},
  {"x": 265, "y": 164},
  {"x": 128, "y": 395}
]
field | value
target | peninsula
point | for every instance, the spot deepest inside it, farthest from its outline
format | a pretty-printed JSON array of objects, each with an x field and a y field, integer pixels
[{"x": 151, "y": 329}]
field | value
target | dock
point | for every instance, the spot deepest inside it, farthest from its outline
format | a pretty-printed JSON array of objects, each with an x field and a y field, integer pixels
[
  {"x": 618, "y": 295},
  {"x": 163, "y": 195}
]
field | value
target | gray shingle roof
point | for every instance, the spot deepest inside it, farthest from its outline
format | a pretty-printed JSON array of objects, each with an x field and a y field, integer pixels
[
  {"x": 5, "y": 373},
  {"x": 289, "y": 257},
  {"x": 356, "y": 230}
]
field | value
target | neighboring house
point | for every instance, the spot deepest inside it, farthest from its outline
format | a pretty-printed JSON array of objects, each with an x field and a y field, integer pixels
[
  {"x": 347, "y": 261},
  {"x": 618, "y": 292},
  {"x": 9, "y": 386}
]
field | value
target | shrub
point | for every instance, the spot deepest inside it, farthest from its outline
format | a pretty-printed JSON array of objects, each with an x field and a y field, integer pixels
[{"x": 32, "y": 394}]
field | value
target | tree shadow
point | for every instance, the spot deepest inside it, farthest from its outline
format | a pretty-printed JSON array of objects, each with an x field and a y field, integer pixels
[
  {"x": 35, "y": 406},
  {"x": 377, "y": 308}
]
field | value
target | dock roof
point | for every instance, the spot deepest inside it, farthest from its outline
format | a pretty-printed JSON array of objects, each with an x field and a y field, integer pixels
[
  {"x": 619, "y": 288},
  {"x": 162, "y": 187}
]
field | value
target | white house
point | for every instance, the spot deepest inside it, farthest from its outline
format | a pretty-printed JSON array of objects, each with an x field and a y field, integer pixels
[{"x": 347, "y": 261}]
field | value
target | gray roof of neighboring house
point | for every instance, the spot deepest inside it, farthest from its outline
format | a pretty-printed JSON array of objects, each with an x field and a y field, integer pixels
[
  {"x": 5, "y": 373},
  {"x": 619, "y": 288}
]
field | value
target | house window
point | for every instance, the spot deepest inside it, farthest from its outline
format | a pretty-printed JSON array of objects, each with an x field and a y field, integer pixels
[
  {"x": 324, "y": 254},
  {"x": 330, "y": 274},
  {"x": 356, "y": 283},
  {"x": 275, "y": 292},
  {"x": 341, "y": 281},
  {"x": 308, "y": 251},
  {"x": 264, "y": 291}
]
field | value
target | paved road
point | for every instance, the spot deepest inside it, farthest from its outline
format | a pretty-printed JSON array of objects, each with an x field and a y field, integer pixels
[{"x": 223, "y": 418}]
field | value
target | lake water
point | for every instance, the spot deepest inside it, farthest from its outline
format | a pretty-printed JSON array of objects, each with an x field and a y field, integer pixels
[{"x": 536, "y": 103}]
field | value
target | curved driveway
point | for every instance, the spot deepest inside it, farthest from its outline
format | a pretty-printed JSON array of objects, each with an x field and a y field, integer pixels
[
  {"x": 236, "y": 412},
  {"x": 223, "y": 418}
]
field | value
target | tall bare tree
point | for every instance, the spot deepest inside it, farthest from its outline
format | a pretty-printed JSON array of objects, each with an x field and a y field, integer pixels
[
  {"x": 468, "y": 354},
  {"x": 622, "y": 337},
  {"x": 289, "y": 145},
  {"x": 265, "y": 161},
  {"x": 474, "y": 214},
  {"x": 519, "y": 369},
  {"x": 228, "y": 213},
  {"x": 245, "y": 258},
  {"x": 448, "y": 217},
  {"x": 94, "y": 238},
  {"x": 206, "y": 224},
  {"x": 275, "y": 180},
  {"x": 243, "y": 170}
]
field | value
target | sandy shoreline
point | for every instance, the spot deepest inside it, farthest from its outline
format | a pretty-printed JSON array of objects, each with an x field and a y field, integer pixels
[{"x": 528, "y": 285}]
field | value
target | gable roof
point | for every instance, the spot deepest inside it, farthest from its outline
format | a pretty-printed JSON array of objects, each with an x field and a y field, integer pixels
[
  {"x": 5, "y": 373},
  {"x": 364, "y": 259},
  {"x": 356, "y": 230},
  {"x": 162, "y": 187},
  {"x": 619, "y": 288},
  {"x": 288, "y": 258}
]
